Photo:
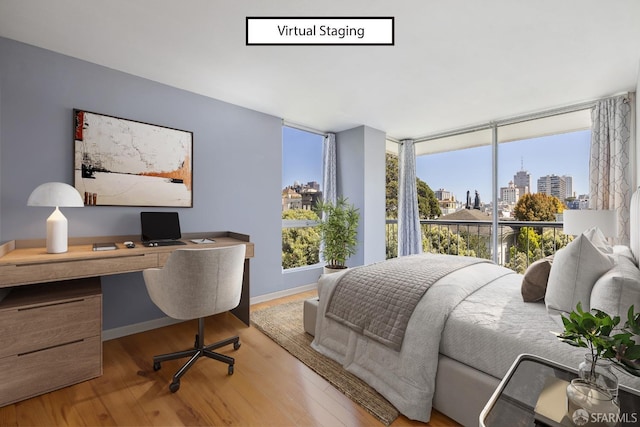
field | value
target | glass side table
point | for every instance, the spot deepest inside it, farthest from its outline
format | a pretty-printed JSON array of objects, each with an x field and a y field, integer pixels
[{"x": 513, "y": 401}]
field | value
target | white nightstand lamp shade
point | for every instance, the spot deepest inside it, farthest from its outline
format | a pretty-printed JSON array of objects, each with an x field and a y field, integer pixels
[
  {"x": 575, "y": 222},
  {"x": 56, "y": 194}
]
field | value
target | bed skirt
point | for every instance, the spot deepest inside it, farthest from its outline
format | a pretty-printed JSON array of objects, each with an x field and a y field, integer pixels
[{"x": 461, "y": 391}]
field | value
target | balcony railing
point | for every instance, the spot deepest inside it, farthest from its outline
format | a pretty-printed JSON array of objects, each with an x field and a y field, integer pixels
[{"x": 519, "y": 242}]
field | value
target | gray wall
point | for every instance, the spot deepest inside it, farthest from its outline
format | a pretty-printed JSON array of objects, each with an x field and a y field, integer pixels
[
  {"x": 237, "y": 162},
  {"x": 375, "y": 181},
  {"x": 361, "y": 171}
]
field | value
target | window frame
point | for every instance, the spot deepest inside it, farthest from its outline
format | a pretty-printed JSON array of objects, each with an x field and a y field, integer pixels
[{"x": 302, "y": 223}]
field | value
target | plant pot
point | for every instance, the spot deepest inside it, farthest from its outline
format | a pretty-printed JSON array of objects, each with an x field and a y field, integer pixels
[
  {"x": 602, "y": 375},
  {"x": 329, "y": 270},
  {"x": 591, "y": 405}
]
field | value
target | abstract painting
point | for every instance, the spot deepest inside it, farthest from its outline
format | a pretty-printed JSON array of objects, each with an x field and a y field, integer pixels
[{"x": 121, "y": 162}]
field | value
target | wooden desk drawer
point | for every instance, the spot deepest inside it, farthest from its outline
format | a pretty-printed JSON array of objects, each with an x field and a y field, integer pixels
[
  {"x": 51, "y": 271},
  {"x": 43, "y": 371},
  {"x": 30, "y": 328}
]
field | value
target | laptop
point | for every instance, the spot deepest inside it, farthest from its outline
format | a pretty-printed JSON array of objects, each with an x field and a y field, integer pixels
[{"x": 160, "y": 228}]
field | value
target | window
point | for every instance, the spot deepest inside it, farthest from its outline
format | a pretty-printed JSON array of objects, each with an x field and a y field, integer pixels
[
  {"x": 536, "y": 173},
  {"x": 545, "y": 154},
  {"x": 301, "y": 188},
  {"x": 458, "y": 170}
]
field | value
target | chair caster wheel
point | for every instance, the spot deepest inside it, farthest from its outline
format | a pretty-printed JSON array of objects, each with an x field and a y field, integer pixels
[
  {"x": 174, "y": 386},
  {"x": 230, "y": 370},
  {"x": 156, "y": 366},
  {"x": 236, "y": 345}
]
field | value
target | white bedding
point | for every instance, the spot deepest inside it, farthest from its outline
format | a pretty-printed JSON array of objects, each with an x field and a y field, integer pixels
[
  {"x": 493, "y": 326},
  {"x": 405, "y": 378},
  {"x": 475, "y": 316}
]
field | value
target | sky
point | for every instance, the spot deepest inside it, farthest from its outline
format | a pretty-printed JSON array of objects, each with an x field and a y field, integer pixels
[
  {"x": 462, "y": 170},
  {"x": 459, "y": 171},
  {"x": 301, "y": 156}
]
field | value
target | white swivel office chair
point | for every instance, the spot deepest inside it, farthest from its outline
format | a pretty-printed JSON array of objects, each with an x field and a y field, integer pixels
[{"x": 194, "y": 284}]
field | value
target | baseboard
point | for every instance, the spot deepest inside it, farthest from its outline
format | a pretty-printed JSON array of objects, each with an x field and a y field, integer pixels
[
  {"x": 285, "y": 293},
  {"x": 135, "y": 328}
]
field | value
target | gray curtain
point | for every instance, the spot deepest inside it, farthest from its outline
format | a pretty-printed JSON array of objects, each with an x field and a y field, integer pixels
[
  {"x": 329, "y": 192},
  {"x": 409, "y": 233},
  {"x": 609, "y": 174}
]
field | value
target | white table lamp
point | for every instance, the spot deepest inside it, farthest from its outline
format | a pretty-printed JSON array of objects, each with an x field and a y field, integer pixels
[
  {"x": 575, "y": 222},
  {"x": 56, "y": 194}
]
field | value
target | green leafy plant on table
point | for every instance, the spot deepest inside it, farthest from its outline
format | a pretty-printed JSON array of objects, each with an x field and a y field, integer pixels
[
  {"x": 593, "y": 330},
  {"x": 338, "y": 231}
]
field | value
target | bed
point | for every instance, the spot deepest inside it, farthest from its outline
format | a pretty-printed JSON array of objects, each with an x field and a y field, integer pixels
[{"x": 471, "y": 323}]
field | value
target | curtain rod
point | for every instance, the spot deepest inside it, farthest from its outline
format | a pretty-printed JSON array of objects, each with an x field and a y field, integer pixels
[
  {"x": 468, "y": 129},
  {"x": 510, "y": 121},
  {"x": 516, "y": 119},
  {"x": 303, "y": 128}
]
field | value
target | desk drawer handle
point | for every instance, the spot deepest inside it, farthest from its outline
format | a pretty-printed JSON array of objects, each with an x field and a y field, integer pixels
[
  {"x": 50, "y": 347},
  {"x": 51, "y": 304},
  {"x": 48, "y": 263}
]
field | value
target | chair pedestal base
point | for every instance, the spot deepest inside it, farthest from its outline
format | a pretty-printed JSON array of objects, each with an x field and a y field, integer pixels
[{"x": 195, "y": 353}]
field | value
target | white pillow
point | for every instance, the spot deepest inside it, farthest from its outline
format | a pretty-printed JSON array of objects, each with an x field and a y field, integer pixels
[
  {"x": 574, "y": 271},
  {"x": 595, "y": 236},
  {"x": 618, "y": 289},
  {"x": 625, "y": 251}
]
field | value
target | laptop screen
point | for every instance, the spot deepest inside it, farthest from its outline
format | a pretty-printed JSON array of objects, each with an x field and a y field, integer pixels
[{"x": 160, "y": 226}]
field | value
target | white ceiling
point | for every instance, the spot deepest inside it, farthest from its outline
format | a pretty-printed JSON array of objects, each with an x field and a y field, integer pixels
[{"x": 455, "y": 63}]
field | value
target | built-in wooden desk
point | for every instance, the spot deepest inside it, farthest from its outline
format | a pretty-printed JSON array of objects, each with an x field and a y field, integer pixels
[
  {"x": 25, "y": 262},
  {"x": 50, "y": 332}
]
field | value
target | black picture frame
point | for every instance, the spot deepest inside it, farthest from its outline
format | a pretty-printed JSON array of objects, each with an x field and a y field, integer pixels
[{"x": 122, "y": 162}]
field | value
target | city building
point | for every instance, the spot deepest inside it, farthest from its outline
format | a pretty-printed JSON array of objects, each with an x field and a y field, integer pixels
[
  {"x": 442, "y": 194},
  {"x": 446, "y": 201},
  {"x": 522, "y": 181},
  {"x": 568, "y": 182},
  {"x": 448, "y": 206},
  {"x": 301, "y": 196},
  {"x": 310, "y": 197},
  {"x": 510, "y": 194},
  {"x": 580, "y": 202},
  {"x": 291, "y": 199},
  {"x": 553, "y": 185}
]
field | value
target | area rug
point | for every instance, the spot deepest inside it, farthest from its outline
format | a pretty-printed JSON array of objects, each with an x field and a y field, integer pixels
[{"x": 283, "y": 324}]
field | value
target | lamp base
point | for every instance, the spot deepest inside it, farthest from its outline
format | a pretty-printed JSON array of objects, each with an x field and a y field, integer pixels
[{"x": 57, "y": 229}]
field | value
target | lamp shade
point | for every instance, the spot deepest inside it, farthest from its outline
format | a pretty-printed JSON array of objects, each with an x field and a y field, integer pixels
[
  {"x": 55, "y": 194},
  {"x": 575, "y": 222}
]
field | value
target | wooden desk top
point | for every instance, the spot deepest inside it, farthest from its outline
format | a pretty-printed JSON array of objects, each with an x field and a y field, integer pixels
[{"x": 27, "y": 261}]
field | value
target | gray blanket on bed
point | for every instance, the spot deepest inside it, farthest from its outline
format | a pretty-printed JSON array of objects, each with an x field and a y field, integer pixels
[{"x": 378, "y": 301}]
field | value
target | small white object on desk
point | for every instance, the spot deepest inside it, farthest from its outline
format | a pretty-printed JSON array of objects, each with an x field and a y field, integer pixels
[
  {"x": 104, "y": 246},
  {"x": 205, "y": 240}
]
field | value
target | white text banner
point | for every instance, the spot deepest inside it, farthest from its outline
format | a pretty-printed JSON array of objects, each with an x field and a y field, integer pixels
[{"x": 320, "y": 31}]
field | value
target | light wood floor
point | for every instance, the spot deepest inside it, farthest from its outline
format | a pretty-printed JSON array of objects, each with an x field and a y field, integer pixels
[{"x": 268, "y": 388}]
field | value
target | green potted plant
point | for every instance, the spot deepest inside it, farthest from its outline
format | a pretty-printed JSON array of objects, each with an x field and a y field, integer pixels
[
  {"x": 593, "y": 330},
  {"x": 596, "y": 389},
  {"x": 338, "y": 232}
]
